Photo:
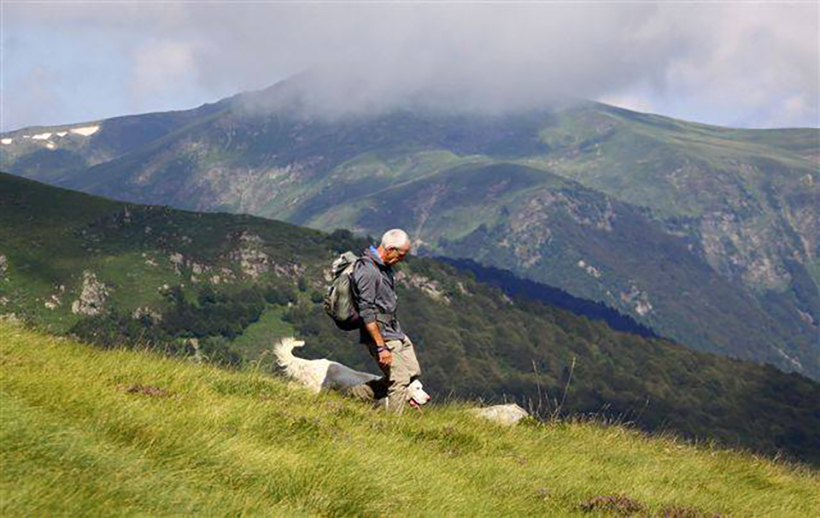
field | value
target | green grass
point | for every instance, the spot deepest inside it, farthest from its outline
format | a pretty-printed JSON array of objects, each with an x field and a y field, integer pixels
[
  {"x": 262, "y": 334},
  {"x": 75, "y": 440}
]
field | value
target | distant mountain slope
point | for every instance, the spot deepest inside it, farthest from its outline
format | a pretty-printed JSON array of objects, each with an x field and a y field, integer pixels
[
  {"x": 224, "y": 287},
  {"x": 86, "y": 432},
  {"x": 696, "y": 231},
  {"x": 46, "y": 153}
]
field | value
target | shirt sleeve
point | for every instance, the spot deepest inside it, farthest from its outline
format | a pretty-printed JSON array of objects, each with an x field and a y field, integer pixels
[{"x": 365, "y": 280}]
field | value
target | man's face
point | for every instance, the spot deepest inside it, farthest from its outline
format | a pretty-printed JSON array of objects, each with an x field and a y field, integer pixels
[{"x": 396, "y": 255}]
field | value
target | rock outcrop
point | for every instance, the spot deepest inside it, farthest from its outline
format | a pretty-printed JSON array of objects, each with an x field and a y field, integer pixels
[
  {"x": 503, "y": 414},
  {"x": 92, "y": 298},
  {"x": 430, "y": 287}
]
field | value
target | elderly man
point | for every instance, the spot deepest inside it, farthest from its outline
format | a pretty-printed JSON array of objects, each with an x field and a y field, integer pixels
[{"x": 374, "y": 292}]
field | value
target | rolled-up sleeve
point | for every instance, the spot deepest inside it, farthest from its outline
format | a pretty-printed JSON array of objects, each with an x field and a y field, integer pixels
[{"x": 365, "y": 280}]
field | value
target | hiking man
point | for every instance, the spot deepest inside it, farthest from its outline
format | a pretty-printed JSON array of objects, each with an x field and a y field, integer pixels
[{"x": 374, "y": 292}]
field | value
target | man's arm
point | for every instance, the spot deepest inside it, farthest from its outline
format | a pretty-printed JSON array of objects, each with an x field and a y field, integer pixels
[
  {"x": 385, "y": 358},
  {"x": 375, "y": 333},
  {"x": 366, "y": 280}
]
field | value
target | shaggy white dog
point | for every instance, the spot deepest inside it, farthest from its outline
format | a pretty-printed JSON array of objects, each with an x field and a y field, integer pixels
[{"x": 318, "y": 375}]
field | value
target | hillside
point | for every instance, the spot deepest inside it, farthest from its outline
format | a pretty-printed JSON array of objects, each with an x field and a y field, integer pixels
[
  {"x": 90, "y": 432},
  {"x": 223, "y": 287},
  {"x": 708, "y": 235}
]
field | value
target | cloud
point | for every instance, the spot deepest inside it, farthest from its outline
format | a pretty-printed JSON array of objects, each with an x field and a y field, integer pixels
[
  {"x": 160, "y": 66},
  {"x": 744, "y": 64}
]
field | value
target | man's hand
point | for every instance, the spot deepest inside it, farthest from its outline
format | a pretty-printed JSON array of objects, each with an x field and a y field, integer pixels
[{"x": 385, "y": 358}]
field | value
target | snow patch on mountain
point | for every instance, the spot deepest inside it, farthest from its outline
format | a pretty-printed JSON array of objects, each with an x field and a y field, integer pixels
[{"x": 85, "y": 130}]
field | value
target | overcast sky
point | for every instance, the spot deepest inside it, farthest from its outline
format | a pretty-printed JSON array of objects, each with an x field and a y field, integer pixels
[{"x": 735, "y": 64}]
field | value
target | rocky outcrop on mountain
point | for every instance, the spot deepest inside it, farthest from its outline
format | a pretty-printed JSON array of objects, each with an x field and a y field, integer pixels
[
  {"x": 92, "y": 297},
  {"x": 637, "y": 300},
  {"x": 55, "y": 301},
  {"x": 4, "y": 264},
  {"x": 748, "y": 249},
  {"x": 252, "y": 261},
  {"x": 429, "y": 287},
  {"x": 148, "y": 313}
]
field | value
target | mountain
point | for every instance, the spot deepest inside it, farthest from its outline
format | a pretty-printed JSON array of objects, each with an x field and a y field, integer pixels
[
  {"x": 86, "y": 432},
  {"x": 707, "y": 235},
  {"x": 223, "y": 288}
]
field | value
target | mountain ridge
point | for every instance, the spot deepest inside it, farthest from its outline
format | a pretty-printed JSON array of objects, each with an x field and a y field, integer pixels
[{"x": 739, "y": 205}]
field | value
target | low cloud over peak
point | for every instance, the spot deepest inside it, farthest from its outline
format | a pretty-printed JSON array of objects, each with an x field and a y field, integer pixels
[{"x": 733, "y": 64}]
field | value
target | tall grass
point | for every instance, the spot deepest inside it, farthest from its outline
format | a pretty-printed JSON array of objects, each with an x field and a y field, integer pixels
[{"x": 92, "y": 432}]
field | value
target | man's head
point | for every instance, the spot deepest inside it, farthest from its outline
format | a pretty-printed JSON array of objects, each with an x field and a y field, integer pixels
[{"x": 394, "y": 247}]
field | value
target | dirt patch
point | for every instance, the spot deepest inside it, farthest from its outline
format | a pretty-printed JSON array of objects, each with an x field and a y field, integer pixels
[
  {"x": 617, "y": 504},
  {"x": 147, "y": 390},
  {"x": 679, "y": 511}
]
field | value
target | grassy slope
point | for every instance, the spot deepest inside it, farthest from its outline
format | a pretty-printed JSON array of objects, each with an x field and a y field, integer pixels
[{"x": 74, "y": 440}]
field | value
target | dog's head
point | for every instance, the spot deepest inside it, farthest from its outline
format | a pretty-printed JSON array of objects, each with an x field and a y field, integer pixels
[{"x": 417, "y": 395}]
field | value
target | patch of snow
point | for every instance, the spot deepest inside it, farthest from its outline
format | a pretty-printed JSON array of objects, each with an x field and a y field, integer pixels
[
  {"x": 86, "y": 130},
  {"x": 50, "y": 145},
  {"x": 62, "y": 133},
  {"x": 7, "y": 141},
  {"x": 42, "y": 136}
]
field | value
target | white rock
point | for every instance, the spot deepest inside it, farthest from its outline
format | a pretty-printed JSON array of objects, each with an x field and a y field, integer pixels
[
  {"x": 146, "y": 311},
  {"x": 93, "y": 297},
  {"x": 502, "y": 414}
]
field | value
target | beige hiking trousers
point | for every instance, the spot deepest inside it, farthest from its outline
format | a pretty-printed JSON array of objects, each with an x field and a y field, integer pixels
[{"x": 397, "y": 377}]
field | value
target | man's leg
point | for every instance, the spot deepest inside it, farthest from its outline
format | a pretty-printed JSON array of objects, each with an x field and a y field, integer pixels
[
  {"x": 370, "y": 391},
  {"x": 404, "y": 368}
]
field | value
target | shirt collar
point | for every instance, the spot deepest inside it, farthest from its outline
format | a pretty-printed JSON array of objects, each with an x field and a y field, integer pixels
[{"x": 375, "y": 253}]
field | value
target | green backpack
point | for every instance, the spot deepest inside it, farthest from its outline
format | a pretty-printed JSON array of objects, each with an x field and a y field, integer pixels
[{"x": 339, "y": 303}]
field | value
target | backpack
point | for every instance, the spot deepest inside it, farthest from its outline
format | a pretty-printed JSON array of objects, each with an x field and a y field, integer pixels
[{"x": 339, "y": 303}]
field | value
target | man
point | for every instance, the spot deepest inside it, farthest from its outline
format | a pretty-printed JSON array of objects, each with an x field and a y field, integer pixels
[{"x": 374, "y": 292}]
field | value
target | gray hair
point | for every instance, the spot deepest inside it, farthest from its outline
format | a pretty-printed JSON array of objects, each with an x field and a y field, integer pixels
[{"x": 395, "y": 238}]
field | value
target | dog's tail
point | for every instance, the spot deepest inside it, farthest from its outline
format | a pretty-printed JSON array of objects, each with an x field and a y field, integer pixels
[{"x": 283, "y": 350}]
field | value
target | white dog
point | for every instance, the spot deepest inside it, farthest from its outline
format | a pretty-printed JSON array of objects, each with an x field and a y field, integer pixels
[{"x": 318, "y": 375}]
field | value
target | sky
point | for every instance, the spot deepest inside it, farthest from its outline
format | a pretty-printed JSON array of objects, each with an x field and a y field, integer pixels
[{"x": 742, "y": 64}]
